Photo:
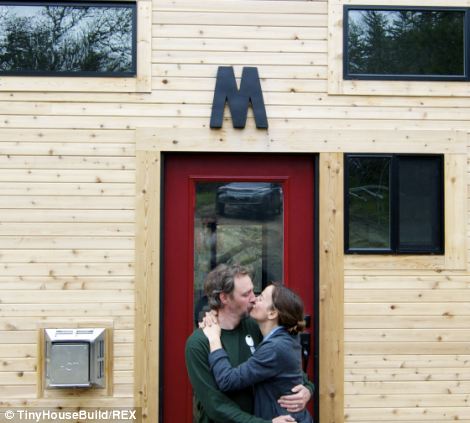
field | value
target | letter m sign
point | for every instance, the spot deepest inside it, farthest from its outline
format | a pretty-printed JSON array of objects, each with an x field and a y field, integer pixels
[{"x": 238, "y": 100}]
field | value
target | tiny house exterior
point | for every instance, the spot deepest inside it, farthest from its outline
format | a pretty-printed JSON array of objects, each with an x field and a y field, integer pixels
[{"x": 344, "y": 172}]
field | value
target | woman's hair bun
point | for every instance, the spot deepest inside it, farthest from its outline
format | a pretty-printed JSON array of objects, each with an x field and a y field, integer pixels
[{"x": 297, "y": 328}]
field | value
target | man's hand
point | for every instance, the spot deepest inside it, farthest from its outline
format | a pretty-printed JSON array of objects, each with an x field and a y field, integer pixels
[
  {"x": 297, "y": 401},
  {"x": 284, "y": 419}
]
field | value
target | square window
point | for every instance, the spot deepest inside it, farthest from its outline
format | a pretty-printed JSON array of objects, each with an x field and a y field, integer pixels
[{"x": 394, "y": 204}]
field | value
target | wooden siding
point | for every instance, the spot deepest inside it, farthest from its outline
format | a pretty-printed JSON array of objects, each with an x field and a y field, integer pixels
[
  {"x": 67, "y": 251},
  {"x": 67, "y": 207}
]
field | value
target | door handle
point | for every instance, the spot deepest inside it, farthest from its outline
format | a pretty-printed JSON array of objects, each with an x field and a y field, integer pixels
[{"x": 305, "y": 343}]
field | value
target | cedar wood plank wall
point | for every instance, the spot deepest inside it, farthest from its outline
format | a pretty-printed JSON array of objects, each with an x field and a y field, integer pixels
[{"x": 67, "y": 208}]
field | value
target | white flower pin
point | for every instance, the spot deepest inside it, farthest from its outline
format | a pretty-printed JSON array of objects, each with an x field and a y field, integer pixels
[{"x": 249, "y": 341}]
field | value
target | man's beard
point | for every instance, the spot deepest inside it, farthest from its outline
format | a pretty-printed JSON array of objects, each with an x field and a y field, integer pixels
[{"x": 247, "y": 313}]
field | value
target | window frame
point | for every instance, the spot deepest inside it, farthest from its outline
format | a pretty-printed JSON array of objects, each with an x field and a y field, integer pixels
[
  {"x": 394, "y": 205},
  {"x": 392, "y": 77},
  {"x": 140, "y": 82},
  {"x": 88, "y": 3}
]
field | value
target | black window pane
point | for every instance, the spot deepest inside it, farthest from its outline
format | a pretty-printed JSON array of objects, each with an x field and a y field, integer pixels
[
  {"x": 369, "y": 202},
  {"x": 56, "y": 38},
  {"x": 420, "y": 203},
  {"x": 405, "y": 42}
]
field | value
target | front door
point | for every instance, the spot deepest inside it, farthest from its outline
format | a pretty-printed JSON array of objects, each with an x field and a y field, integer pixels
[{"x": 256, "y": 210}]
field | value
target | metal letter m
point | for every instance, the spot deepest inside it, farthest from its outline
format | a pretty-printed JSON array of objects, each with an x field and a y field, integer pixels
[{"x": 238, "y": 100}]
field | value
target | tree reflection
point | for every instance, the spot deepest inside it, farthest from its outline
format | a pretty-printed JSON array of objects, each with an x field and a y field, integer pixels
[
  {"x": 66, "y": 39},
  {"x": 406, "y": 42},
  {"x": 369, "y": 202}
]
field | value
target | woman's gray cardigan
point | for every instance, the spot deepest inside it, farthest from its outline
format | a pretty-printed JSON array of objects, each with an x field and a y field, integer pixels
[{"x": 274, "y": 369}]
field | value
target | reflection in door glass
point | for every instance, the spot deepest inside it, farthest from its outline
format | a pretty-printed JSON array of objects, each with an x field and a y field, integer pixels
[{"x": 238, "y": 222}]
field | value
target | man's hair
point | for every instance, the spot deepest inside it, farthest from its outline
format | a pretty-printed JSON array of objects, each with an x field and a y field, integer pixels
[{"x": 222, "y": 280}]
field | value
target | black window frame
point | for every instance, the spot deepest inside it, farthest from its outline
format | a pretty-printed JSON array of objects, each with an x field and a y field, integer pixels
[
  {"x": 394, "y": 207},
  {"x": 89, "y": 3},
  {"x": 391, "y": 77}
]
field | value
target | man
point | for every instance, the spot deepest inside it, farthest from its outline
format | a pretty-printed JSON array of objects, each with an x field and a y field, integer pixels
[{"x": 230, "y": 293}]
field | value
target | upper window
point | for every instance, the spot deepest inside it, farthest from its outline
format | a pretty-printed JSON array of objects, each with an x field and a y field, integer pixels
[
  {"x": 394, "y": 203},
  {"x": 405, "y": 43},
  {"x": 68, "y": 39}
]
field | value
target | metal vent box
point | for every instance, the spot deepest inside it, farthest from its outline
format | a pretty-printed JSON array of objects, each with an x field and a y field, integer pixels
[{"x": 75, "y": 358}]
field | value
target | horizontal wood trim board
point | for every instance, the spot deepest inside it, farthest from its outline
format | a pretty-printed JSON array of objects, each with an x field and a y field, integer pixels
[
  {"x": 389, "y": 283},
  {"x": 404, "y": 401},
  {"x": 226, "y": 7},
  {"x": 295, "y": 140},
  {"x": 407, "y": 295},
  {"x": 67, "y": 269},
  {"x": 67, "y": 175},
  {"x": 416, "y": 374},
  {"x": 68, "y": 216},
  {"x": 220, "y": 58},
  {"x": 240, "y": 18},
  {"x": 25, "y": 377},
  {"x": 92, "y": 242},
  {"x": 68, "y": 136},
  {"x": 65, "y": 297},
  {"x": 66, "y": 310},
  {"x": 119, "y": 400},
  {"x": 422, "y": 361},
  {"x": 52, "y": 202},
  {"x": 386, "y": 321},
  {"x": 253, "y": 32},
  {"x": 115, "y": 122},
  {"x": 408, "y": 335},
  {"x": 62, "y": 149},
  {"x": 403, "y": 272},
  {"x": 398, "y": 414},
  {"x": 407, "y": 309},
  {"x": 406, "y": 347},
  {"x": 82, "y": 161},
  {"x": 29, "y": 336},
  {"x": 318, "y": 111},
  {"x": 68, "y": 189},
  {"x": 229, "y": 45},
  {"x": 206, "y": 70},
  {"x": 55, "y": 233},
  {"x": 416, "y": 387},
  {"x": 27, "y": 323}
]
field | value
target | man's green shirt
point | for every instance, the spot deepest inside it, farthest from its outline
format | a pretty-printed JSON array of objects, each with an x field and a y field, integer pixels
[{"x": 213, "y": 406}]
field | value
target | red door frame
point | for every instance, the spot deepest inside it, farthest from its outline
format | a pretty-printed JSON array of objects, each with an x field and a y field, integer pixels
[{"x": 296, "y": 173}]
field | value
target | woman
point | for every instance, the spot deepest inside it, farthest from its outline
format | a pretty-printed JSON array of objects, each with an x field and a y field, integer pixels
[{"x": 275, "y": 367}]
